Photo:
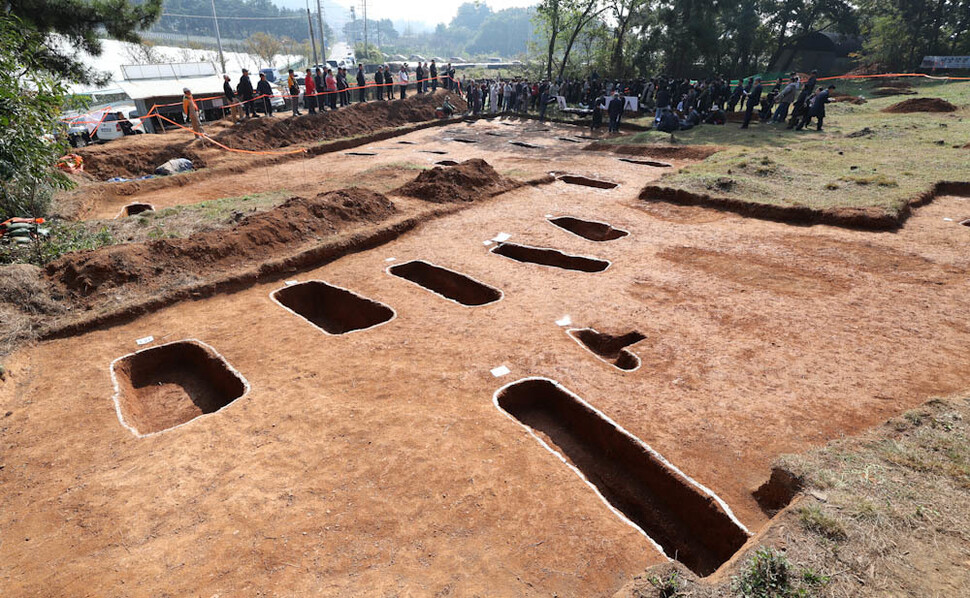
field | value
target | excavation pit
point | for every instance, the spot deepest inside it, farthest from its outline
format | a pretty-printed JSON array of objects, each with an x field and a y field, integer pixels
[
  {"x": 133, "y": 209},
  {"x": 609, "y": 348},
  {"x": 588, "y": 229},
  {"x": 653, "y": 163},
  {"x": 406, "y": 142},
  {"x": 569, "y": 139},
  {"x": 447, "y": 163},
  {"x": 686, "y": 520},
  {"x": 525, "y": 145},
  {"x": 458, "y": 140},
  {"x": 360, "y": 153},
  {"x": 437, "y": 152},
  {"x": 449, "y": 284},
  {"x": 333, "y": 309},
  {"x": 494, "y": 134},
  {"x": 550, "y": 257},
  {"x": 573, "y": 179},
  {"x": 169, "y": 385},
  {"x": 965, "y": 222}
]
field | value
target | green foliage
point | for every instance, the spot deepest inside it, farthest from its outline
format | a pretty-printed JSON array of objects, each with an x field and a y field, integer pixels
[
  {"x": 769, "y": 574},
  {"x": 814, "y": 519},
  {"x": 30, "y": 102},
  {"x": 668, "y": 586},
  {"x": 80, "y": 23},
  {"x": 64, "y": 238},
  {"x": 899, "y": 33}
]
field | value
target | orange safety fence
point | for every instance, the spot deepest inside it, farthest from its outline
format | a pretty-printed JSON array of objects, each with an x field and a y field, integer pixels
[{"x": 226, "y": 147}]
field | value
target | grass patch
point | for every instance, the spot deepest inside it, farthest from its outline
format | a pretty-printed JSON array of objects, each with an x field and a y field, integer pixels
[
  {"x": 833, "y": 169},
  {"x": 169, "y": 223},
  {"x": 886, "y": 514}
]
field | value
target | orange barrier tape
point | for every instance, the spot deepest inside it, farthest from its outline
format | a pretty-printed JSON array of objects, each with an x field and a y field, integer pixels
[{"x": 225, "y": 147}]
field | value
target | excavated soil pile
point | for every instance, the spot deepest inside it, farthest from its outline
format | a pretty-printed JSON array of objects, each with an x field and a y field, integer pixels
[
  {"x": 844, "y": 97},
  {"x": 921, "y": 105},
  {"x": 685, "y": 152},
  {"x": 358, "y": 119},
  {"x": 136, "y": 156},
  {"x": 471, "y": 180},
  {"x": 159, "y": 264}
]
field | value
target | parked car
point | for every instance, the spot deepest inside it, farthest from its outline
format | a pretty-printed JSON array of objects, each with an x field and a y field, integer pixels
[{"x": 104, "y": 125}]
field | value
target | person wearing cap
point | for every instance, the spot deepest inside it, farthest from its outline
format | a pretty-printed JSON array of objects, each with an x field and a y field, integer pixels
[
  {"x": 402, "y": 78},
  {"x": 191, "y": 110},
  {"x": 265, "y": 93},
  {"x": 245, "y": 90},
  {"x": 230, "y": 95}
]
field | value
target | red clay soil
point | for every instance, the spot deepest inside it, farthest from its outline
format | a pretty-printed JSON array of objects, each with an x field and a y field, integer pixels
[
  {"x": 471, "y": 180},
  {"x": 921, "y": 105},
  {"x": 687, "y": 152},
  {"x": 844, "y": 97},
  {"x": 358, "y": 119},
  {"x": 861, "y": 218},
  {"x": 137, "y": 156},
  {"x": 87, "y": 276}
]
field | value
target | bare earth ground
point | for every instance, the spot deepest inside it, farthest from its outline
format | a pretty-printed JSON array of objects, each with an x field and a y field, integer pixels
[{"x": 376, "y": 464}]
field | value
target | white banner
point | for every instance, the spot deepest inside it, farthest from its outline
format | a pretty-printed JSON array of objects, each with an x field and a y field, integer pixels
[{"x": 945, "y": 62}]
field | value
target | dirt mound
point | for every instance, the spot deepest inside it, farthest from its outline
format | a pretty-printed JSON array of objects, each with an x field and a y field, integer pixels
[
  {"x": 358, "y": 119},
  {"x": 921, "y": 105},
  {"x": 468, "y": 181},
  {"x": 158, "y": 264},
  {"x": 136, "y": 156},
  {"x": 893, "y": 91},
  {"x": 844, "y": 97}
]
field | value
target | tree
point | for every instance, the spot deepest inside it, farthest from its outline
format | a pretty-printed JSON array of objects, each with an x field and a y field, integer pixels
[
  {"x": 144, "y": 53},
  {"x": 30, "y": 103},
  {"x": 471, "y": 15},
  {"x": 79, "y": 22},
  {"x": 264, "y": 48}
]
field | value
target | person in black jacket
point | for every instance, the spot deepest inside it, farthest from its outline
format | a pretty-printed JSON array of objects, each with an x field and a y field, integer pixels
[
  {"x": 318, "y": 80},
  {"x": 418, "y": 76},
  {"x": 361, "y": 84},
  {"x": 615, "y": 111},
  {"x": 817, "y": 109},
  {"x": 379, "y": 82},
  {"x": 754, "y": 98},
  {"x": 265, "y": 92},
  {"x": 434, "y": 77},
  {"x": 342, "y": 87},
  {"x": 245, "y": 91},
  {"x": 388, "y": 83},
  {"x": 227, "y": 91}
]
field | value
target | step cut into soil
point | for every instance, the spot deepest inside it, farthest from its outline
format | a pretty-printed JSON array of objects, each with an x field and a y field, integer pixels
[
  {"x": 550, "y": 257},
  {"x": 653, "y": 163},
  {"x": 688, "y": 521},
  {"x": 166, "y": 386},
  {"x": 331, "y": 308},
  {"x": 778, "y": 492},
  {"x": 610, "y": 348},
  {"x": 588, "y": 229},
  {"x": 137, "y": 208},
  {"x": 447, "y": 283},
  {"x": 447, "y": 163},
  {"x": 587, "y": 182}
]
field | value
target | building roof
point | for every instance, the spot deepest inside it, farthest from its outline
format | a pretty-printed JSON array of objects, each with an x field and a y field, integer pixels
[{"x": 156, "y": 88}]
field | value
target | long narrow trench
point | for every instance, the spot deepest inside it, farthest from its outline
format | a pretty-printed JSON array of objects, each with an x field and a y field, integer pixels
[{"x": 688, "y": 523}]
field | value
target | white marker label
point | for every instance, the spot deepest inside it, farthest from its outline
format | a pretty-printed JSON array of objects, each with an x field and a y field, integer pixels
[
  {"x": 290, "y": 283},
  {"x": 144, "y": 341},
  {"x": 564, "y": 321},
  {"x": 390, "y": 259},
  {"x": 500, "y": 371},
  {"x": 501, "y": 237},
  {"x": 486, "y": 243}
]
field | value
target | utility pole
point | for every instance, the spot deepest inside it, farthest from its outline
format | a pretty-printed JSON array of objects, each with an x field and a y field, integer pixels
[
  {"x": 323, "y": 37},
  {"x": 313, "y": 41},
  {"x": 222, "y": 59},
  {"x": 365, "y": 30}
]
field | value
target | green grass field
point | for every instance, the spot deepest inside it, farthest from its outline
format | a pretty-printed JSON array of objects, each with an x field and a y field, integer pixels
[{"x": 901, "y": 156}]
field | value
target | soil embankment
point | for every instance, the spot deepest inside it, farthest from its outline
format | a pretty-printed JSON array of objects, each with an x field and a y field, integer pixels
[{"x": 471, "y": 180}]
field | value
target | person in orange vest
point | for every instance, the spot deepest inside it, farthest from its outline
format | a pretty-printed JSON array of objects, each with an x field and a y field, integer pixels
[{"x": 191, "y": 110}]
